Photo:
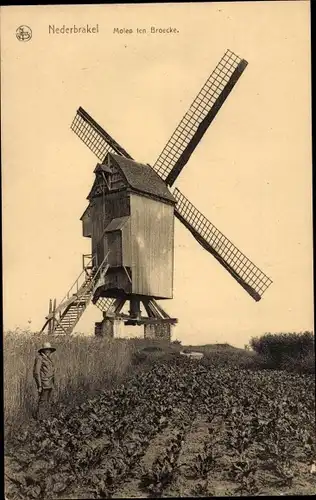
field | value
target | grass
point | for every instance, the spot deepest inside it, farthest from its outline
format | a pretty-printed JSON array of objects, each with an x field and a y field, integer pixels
[{"x": 83, "y": 366}]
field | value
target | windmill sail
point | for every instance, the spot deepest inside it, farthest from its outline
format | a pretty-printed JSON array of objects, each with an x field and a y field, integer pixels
[
  {"x": 95, "y": 137},
  {"x": 198, "y": 118},
  {"x": 248, "y": 275}
]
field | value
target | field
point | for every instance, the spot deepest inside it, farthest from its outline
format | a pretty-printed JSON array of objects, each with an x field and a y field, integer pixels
[
  {"x": 173, "y": 427},
  {"x": 83, "y": 366}
]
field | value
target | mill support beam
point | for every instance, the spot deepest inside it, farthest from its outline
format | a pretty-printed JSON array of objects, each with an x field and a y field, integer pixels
[{"x": 157, "y": 324}]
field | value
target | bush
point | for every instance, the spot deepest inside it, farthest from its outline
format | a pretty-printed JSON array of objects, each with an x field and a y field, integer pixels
[
  {"x": 288, "y": 351},
  {"x": 303, "y": 365},
  {"x": 307, "y": 364},
  {"x": 235, "y": 358}
]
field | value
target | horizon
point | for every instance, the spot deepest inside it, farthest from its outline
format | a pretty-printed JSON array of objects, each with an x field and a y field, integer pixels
[{"x": 75, "y": 334}]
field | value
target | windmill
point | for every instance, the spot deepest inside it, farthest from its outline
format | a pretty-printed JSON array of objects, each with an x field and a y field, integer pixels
[{"x": 130, "y": 220}]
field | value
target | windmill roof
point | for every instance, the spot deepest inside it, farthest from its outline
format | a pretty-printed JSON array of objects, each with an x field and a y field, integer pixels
[
  {"x": 99, "y": 166},
  {"x": 143, "y": 177},
  {"x": 84, "y": 213},
  {"x": 116, "y": 224}
]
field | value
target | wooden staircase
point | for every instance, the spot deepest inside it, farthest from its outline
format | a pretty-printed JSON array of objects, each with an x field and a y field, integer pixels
[{"x": 63, "y": 319}]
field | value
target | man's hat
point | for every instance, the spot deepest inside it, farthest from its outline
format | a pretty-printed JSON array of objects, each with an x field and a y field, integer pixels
[{"x": 47, "y": 345}]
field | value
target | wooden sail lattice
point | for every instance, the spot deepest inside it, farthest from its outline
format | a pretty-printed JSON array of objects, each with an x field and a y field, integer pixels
[
  {"x": 95, "y": 137},
  {"x": 104, "y": 303},
  {"x": 197, "y": 119},
  {"x": 242, "y": 269}
]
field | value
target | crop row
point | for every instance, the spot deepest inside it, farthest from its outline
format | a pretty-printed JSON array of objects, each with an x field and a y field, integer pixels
[{"x": 267, "y": 422}]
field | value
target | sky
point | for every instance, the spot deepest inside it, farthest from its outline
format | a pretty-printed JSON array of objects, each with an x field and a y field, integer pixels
[{"x": 251, "y": 175}]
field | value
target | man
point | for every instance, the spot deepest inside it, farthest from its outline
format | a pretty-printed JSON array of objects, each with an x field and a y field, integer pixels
[{"x": 44, "y": 375}]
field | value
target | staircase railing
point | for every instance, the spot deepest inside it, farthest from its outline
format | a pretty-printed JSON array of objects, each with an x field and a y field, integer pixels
[
  {"x": 71, "y": 295},
  {"x": 99, "y": 273},
  {"x": 84, "y": 265},
  {"x": 72, "y": 292},
  {"x": 76, "y": 290},
  {"x": 87, "y": 291}
]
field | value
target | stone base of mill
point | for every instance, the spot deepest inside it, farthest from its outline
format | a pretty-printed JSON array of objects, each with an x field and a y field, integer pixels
[
  {"x": 107, "y": 328},
  {"x": 158, "y": 331}
]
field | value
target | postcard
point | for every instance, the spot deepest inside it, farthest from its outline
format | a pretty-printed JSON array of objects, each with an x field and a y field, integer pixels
[{"x": 157, "y": 242}]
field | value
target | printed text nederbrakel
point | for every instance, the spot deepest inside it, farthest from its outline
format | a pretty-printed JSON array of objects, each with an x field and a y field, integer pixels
[{"x": 74, "y": 29}]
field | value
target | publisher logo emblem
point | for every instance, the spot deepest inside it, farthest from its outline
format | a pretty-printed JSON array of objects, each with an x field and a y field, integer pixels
[{"x": 23, "y": 33}]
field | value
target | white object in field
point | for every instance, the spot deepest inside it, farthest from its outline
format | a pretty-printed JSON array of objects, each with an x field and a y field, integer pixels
[
  {"x": 193, "y": 355},
  {"x": 313, "y": 468}
]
